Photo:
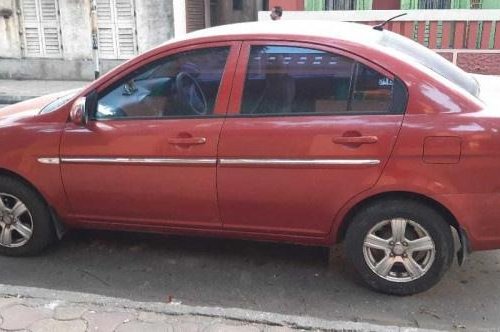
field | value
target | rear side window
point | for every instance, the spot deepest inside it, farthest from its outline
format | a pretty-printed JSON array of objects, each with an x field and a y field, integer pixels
[{"x": 296, "y": 80}]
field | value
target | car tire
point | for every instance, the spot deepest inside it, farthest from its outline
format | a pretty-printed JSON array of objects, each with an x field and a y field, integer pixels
[
  {"x": 26, "y": 226},
  {"x": 380, "y": 246}
]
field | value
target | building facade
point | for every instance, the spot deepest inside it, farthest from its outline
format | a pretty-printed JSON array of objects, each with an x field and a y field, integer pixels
[
  {"x": 52, "y": 39},
  {"x": 466, "y": 32},
  {"x": 391, "y": 4}
]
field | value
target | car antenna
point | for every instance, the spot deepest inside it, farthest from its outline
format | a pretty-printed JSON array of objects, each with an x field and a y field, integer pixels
[{"x": 380, "y": 26}]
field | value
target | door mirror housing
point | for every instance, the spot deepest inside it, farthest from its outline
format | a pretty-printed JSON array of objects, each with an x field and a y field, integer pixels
[
  {"x": 83, "y": 108},
  {"x": 78, "y": 113}
]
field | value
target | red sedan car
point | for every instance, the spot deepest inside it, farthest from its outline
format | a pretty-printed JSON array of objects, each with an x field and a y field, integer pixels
[{"x": 305, "y": 132}]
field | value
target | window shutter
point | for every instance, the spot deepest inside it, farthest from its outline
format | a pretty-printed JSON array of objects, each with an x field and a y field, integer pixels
[
  {"x": 116, "y": 25},
  {"x": 126, "y": 45},
  {"x": 41, "y": 28},
  {"x": 30, "y": 12},
  {"x": 32, "y": 41},
  {"x": 195, "y": 15},
  {"x": 104, "y": 15},
  {"x": 107, "y": 47},
  {"x": 124, "y": 11},
  {"x": 49, "y": 10},
  {"x": 125, "y": 29},
  {"x": 51, "y": 41},
  {"x": 33, "y": 45}
]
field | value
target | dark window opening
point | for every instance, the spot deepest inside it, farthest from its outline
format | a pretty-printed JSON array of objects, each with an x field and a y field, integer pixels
[
  {"x": 434, "y": 4},
  {"x": 340, "y": 4},
  {"x": 237, "y": 4},
  {"x": 265, "y": 5}
]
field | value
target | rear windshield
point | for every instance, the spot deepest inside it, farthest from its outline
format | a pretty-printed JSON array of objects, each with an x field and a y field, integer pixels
[{"x": 431, "y": 60}]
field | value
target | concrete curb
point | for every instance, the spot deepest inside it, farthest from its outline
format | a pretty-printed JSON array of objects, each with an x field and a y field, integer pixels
[
  {"x": 7, "y": 100},
  {"x": 249, "y": 316}
]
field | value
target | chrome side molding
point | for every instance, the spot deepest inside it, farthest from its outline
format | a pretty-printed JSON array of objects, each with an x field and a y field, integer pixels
[
  {"x": 140, "y": 161},
  {"x": 212, "y": 161},
  {"x": 49, "y": 161},
  {"x": 298, "y": 162}
]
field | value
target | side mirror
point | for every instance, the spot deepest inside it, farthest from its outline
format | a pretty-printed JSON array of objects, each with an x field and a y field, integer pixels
[
  {"x": 78, "y": 114},
  {"x": 83, "y": 108}
]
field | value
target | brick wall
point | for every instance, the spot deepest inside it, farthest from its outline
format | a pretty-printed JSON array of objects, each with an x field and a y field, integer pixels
[
  {"x": 480, "y": 63},
  {"x": 468, "y": 38},
  {"x": 287, "y": 4}
]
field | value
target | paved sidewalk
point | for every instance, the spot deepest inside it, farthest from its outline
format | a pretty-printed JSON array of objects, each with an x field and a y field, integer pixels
[
  {"x": 44, "y": 315},
  {"x": 37, "y": 309},
  {"x": 13, "y": 91}
]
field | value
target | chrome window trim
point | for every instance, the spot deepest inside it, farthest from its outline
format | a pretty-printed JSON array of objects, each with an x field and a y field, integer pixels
[{"x": 299, "y": 162}]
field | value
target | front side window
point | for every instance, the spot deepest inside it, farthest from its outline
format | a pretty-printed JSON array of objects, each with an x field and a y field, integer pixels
[
  {"x": 184, "y": 84},
  {"x": 296, "y": 80}
]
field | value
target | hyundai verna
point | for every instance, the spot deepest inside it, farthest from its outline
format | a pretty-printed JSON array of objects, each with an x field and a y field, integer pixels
[{"x": 305, "y": 132}]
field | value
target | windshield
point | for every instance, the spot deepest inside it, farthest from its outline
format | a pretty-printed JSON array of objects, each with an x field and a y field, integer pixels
[{"x": 431, "y": 60}]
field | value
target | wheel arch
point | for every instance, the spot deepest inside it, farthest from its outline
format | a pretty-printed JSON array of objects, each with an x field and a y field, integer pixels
[
  {"x": 58, "y": 225},
  {"x": 439, "y": 207}
]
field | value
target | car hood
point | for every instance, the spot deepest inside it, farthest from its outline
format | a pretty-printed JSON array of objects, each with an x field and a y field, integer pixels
[
  {"x": 489, "y": 89},
  {"x": 32, "y": 107}
]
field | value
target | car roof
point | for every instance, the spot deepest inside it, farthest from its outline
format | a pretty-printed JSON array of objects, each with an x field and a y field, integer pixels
[{"x": 353, "y": 32}]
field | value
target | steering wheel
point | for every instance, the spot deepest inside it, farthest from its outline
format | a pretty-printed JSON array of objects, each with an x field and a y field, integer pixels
[{"x": 190, "y": 95}]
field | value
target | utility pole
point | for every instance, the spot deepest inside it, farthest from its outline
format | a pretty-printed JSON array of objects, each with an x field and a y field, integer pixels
[{"x": 95, "y": 38}]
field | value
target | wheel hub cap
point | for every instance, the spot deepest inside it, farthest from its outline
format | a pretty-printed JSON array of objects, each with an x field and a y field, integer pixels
[{"x": 398, "y": 249}]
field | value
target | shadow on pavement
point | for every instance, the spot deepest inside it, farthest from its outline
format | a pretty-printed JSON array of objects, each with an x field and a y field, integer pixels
[{"x": 260, "y": 276}]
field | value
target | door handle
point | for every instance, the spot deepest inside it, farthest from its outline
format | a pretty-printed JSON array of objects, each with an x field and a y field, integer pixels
[
  {"x": 187, "y": 140},
  {"x": 355, "y": 140}
]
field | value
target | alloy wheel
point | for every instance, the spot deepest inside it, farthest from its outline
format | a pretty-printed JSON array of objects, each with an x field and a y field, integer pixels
[
  {"x": 16, "y": 222},
  {"x": 399, "y": 250}
]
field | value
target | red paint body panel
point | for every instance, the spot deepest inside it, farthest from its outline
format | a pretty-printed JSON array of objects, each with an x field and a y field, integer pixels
[
  {"x": 296, "y": 199},
  {"x": 280, "y": 203},
  {"x": 154, "y": 193}
]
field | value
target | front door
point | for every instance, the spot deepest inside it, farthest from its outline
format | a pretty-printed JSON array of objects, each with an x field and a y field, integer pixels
[
  {"x": 307, "y": 130},
  {"x": 148, "y": 154}
]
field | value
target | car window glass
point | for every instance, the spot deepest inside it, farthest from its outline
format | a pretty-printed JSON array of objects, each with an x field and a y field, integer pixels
[
  {"x": 372, "y": 91},
  {"x": 297, "y": 80},
  {"x": 184, "y": 84}
]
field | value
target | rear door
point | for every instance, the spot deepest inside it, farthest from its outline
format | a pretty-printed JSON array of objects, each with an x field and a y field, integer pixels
[{"x": 308, "y": 128}]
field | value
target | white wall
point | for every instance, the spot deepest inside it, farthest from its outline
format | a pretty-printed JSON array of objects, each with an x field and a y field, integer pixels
[
  {"x": 179, "y": 7},
  {"x": 154, "y": 23},
  {"x": 75, "y": 29},
  {"x": 10, "y": 44}
]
